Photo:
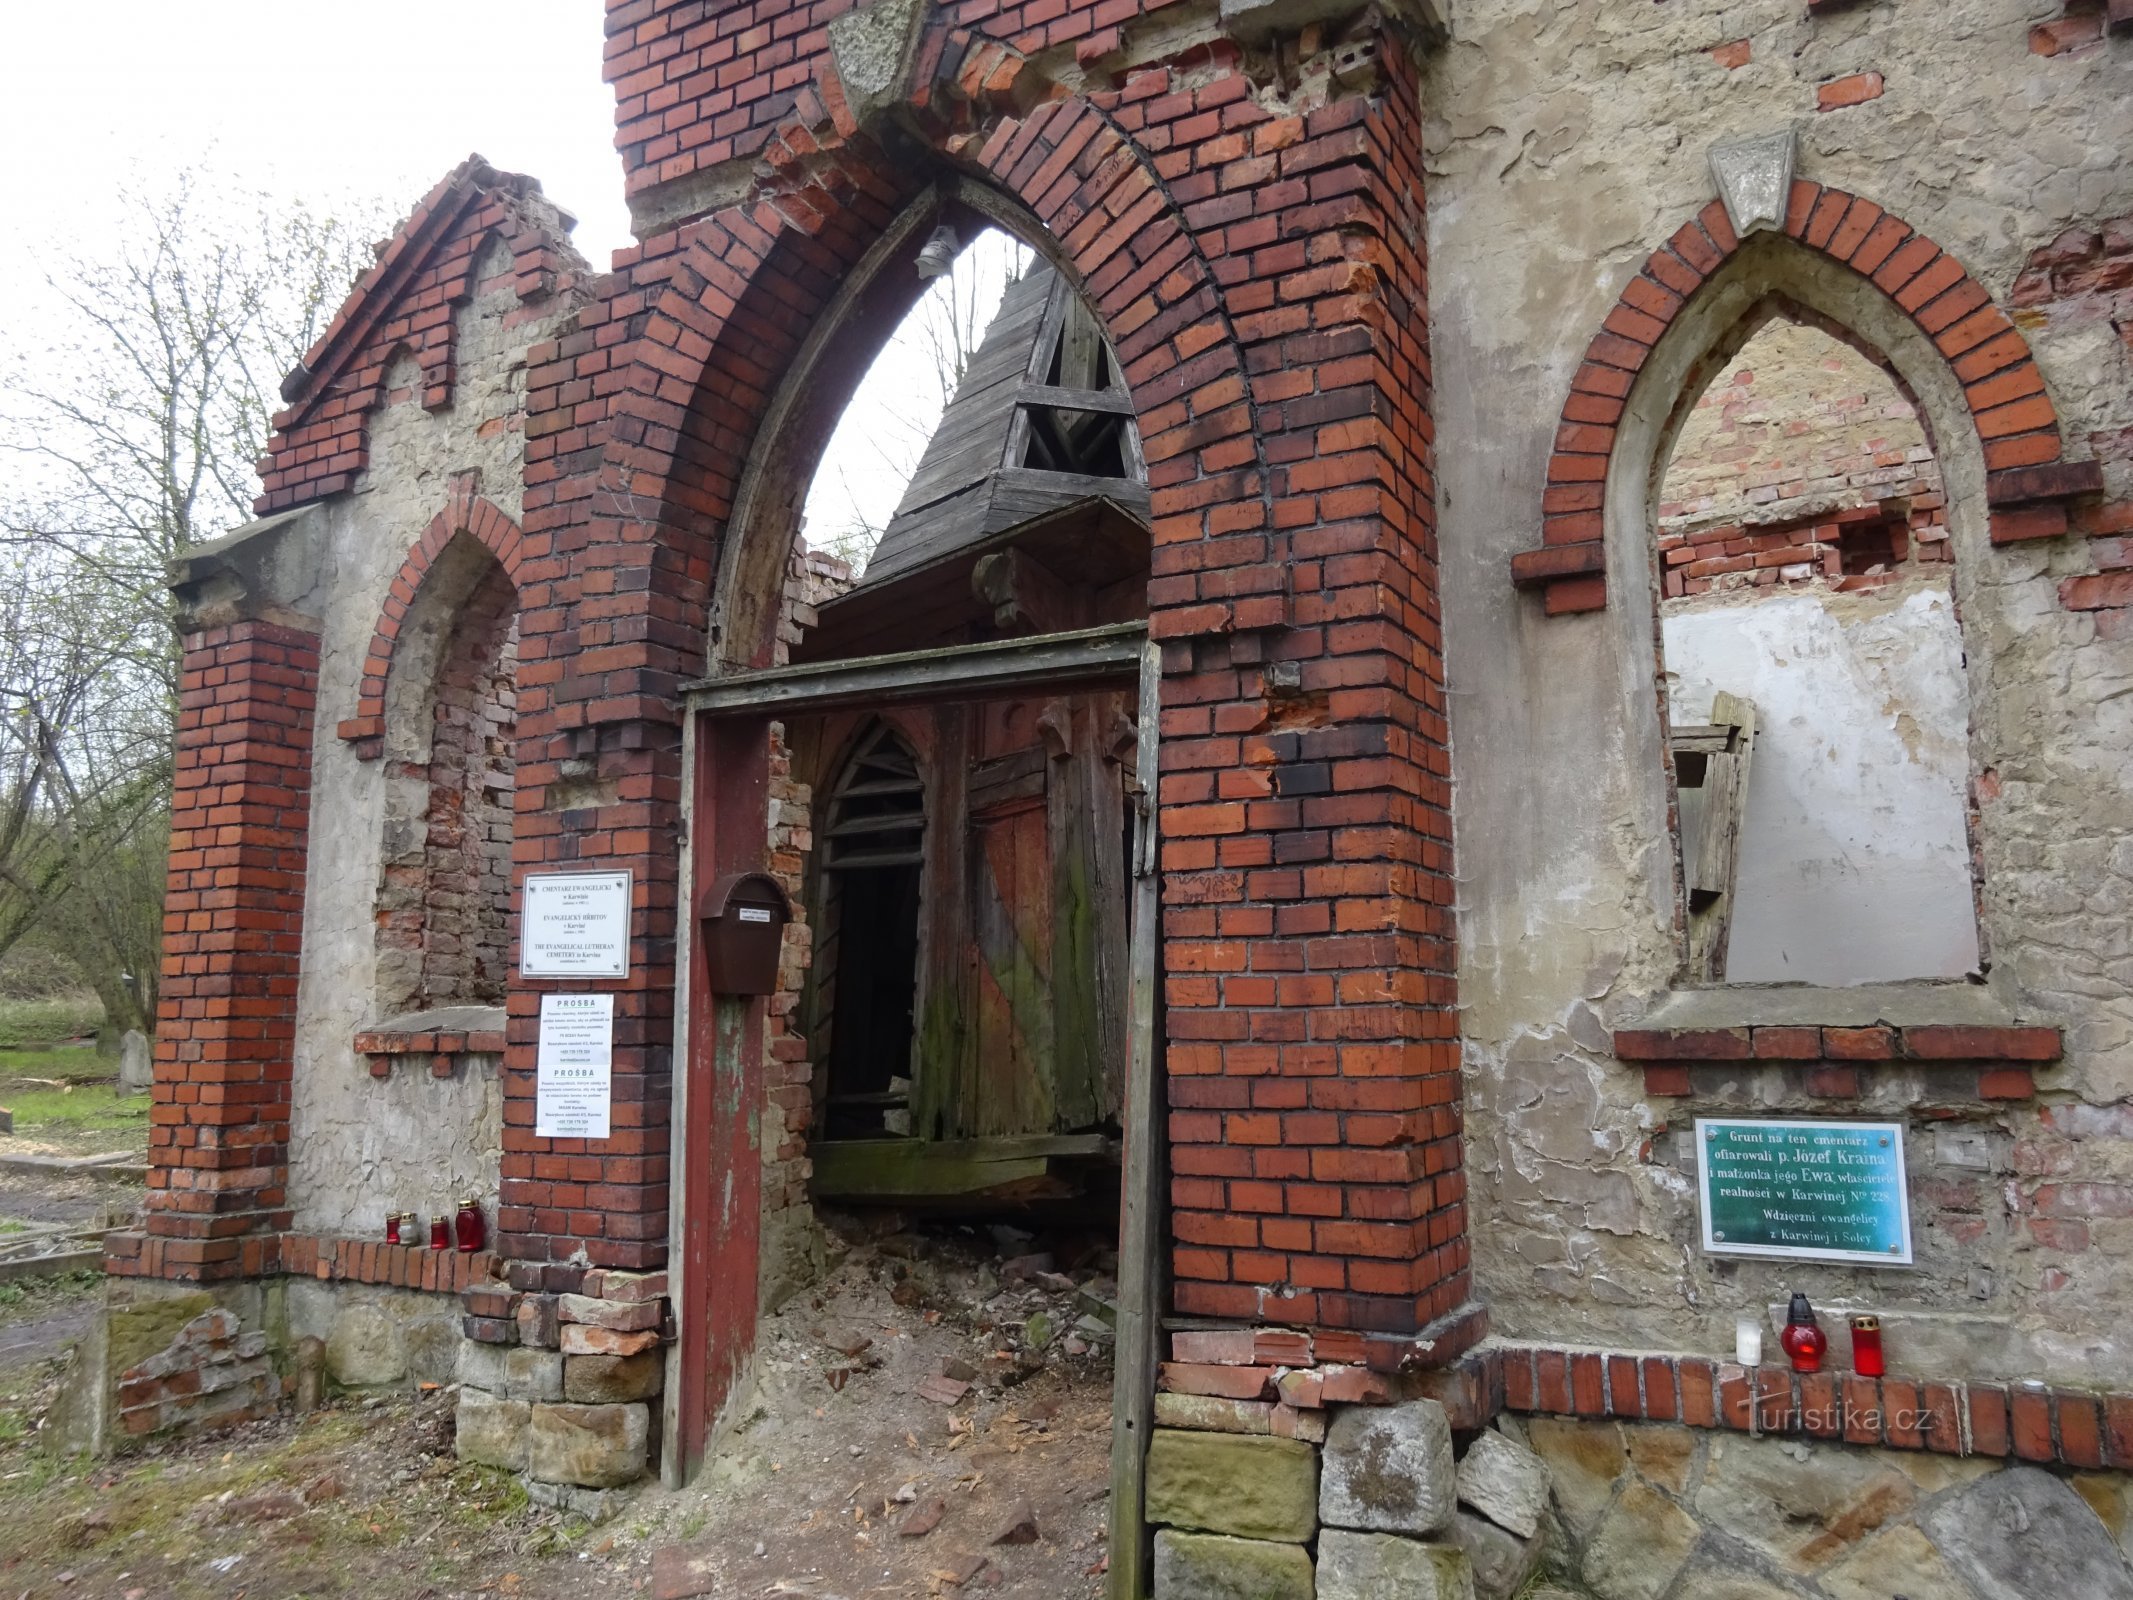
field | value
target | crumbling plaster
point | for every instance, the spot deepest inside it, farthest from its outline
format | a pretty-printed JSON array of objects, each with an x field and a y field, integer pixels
[
  {"x": 1567, "y": 142},
  {"x": 363, "y": 1146}
]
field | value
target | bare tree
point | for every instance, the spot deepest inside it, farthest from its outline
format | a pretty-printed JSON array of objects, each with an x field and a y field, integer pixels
[
  {"x": 884, "y": 433},
  {"x": 131, "y": 434}
]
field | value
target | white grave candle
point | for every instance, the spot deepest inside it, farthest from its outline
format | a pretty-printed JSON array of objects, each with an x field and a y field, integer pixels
[{"x": 1748, "y": 1341}]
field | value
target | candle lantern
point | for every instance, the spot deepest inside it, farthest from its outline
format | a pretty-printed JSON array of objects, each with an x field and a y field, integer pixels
[
  {"x": 1803, "y": 1338},
  {"x": 392, "y": 1227},
  {"x": 440, "y": 1232},
  {"x": 473, "y": 1232},
  {"x": 1866, "y": 1347}
]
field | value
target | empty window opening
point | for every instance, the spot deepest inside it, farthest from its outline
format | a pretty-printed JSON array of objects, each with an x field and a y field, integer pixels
[
  {"x": 867, "y": 950},
  {"x": 444, "y": 906},
  {"x": 1815, "y": 674}
]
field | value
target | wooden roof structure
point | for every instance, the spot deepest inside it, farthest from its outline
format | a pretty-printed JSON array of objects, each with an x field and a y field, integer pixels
[{"x": 1040, "y": 421}]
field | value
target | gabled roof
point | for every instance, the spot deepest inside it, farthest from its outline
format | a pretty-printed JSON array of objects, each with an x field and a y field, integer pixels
[
  {"x": 400, "y": 259},
  {"x": 1041, "y": 395}
]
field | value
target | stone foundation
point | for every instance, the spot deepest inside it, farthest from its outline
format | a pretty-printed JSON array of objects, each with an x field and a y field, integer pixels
[
  {"x": 1257, "y": 1500},
  {"x": 558, "y": 1387},
  {"x": 1641, "y": 1510},
  {"x": 1355, "y": 1503}
]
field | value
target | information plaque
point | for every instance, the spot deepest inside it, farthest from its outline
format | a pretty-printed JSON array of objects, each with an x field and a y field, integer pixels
[
  {"x": 574, "y": 925},
  {"x": 574, "y": 1077},
  {"x": 1806, "y": 1191}
]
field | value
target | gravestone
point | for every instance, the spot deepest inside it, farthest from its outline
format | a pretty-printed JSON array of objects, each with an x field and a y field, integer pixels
[{"x": 136, "y": 1063}]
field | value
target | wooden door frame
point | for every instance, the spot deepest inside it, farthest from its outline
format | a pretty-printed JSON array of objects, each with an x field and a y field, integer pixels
[{"x": 714, "y": 1224}]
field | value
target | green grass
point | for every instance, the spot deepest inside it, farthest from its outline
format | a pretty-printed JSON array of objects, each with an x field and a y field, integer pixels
[
  {"x": 88, "y": 1119},
  {"x": 31, "y": 1022}
]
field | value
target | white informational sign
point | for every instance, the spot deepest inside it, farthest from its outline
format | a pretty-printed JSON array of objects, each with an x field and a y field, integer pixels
[
  {"x": 576, "y": 1062},
  {"x": 575, "y": 925}
]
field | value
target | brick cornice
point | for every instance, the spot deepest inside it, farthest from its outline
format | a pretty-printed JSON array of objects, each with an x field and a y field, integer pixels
[
  {"x": 2024, "y": 1421},
  {"x": 1832, "y": 1057}
]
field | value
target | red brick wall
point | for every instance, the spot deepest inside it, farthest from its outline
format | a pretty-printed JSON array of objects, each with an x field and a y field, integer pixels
[
  {"x": 2085, "y": 278},
  {"x": 404, "y": 307},
  {"x": 1258, "y": 267},
  {"x": 232, "y": 937}
]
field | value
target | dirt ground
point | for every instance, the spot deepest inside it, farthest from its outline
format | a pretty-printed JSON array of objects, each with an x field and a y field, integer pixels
[{"x": 818, "y": 1491}]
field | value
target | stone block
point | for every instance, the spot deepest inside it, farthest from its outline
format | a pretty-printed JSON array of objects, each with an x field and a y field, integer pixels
[
  {"x": 593, "y": 1506},
  {"x": 579, "y": 1340},
  {"x": 493, "y": 1431},
  {"x": 608, "y": 1284},
  {"x": 1214, "y": 1566},
  {"x": 537, "y": 1322},
  {"x": 1389, "y": 1469},
  {"x": 1503, "y": 1563},
  {"x": 606, "y": 1380},
  {"x": 1899, "y": 1560},
  {"x": 533, "y": 1374},
  {"x": 1640, "y": 1548},
  {"x": 595, "y": 1447},
  {"x": 1378, "y": 1566},
  {"x": 1255, "y": 1488},
  {"x": 1505, "y": 1482},
  {"x": 624, "y": 1316},
  {"x": 366, "y": 1346},
  {"x": 2023, "y": 1532},
  {"x": 1206, "y": 1413},
  {"x": 480, "y": 1366}
]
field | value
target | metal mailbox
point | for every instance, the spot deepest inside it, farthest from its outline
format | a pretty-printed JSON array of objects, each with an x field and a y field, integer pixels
[{"x": 741, "y": 921}]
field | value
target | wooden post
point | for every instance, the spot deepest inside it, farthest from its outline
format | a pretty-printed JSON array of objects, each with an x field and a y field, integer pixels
[{"x": 1141, "y": 1252}]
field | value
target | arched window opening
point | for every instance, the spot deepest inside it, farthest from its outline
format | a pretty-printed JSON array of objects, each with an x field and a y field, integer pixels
[
  {"x": 444, "y": 902},
  {"x": 867, "y": 946},
  {"x": 1814, "y": 672}
]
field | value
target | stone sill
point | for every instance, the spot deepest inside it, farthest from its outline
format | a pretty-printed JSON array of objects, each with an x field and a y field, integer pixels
[
  {"x": 1830, "y": 1035},
  {"x": 444, "y": 1035}
]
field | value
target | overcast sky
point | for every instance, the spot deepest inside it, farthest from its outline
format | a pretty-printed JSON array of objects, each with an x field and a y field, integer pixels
[{"x": 326, "y": 100}]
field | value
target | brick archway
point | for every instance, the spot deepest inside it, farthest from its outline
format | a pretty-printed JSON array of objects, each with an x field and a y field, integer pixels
[
  {"x": 2003, "y": 392},
  {"x": 732, "y": 313},
  {"x": 1257, "y": 265},
  {"x": 467, "y": 512}
]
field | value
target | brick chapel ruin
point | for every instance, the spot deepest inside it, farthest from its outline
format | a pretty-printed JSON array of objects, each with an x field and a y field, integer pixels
[{"x": 1518, "y": 581}]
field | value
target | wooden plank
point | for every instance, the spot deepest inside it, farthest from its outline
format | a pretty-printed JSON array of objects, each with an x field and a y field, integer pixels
[
  {"x": 1113, "y": 402},
  {"x": 43, "y": 1266},
  {"x": 1142, "y": 1225},
  {"x": 1714, "y": 867},
  {"x": 925, "y": 1168},
  {"x": 1083, "y": 658}
]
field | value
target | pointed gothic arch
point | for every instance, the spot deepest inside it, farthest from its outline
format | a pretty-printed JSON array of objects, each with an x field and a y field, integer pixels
[{"x": 1859, "y": 252}]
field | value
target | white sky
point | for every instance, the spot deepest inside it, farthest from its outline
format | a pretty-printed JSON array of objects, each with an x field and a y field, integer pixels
[{"x": 330, "y": 100}]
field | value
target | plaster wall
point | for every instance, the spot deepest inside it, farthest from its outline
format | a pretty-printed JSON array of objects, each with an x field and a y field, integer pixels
[
  {"x": 1546, "y": 193},
  {"x": 363, "y": 1146},
  {"x": 1854, "y": 858}
]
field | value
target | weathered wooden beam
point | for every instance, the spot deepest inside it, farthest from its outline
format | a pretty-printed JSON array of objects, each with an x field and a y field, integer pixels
[
  {"x": 1114, "y": 402},
  {"x": 1085, "y": 658},
  {"x": 930, "y": 1169},
  {"x": 1143, "y": 1231},
  {"x": 1714, "y": 868}
]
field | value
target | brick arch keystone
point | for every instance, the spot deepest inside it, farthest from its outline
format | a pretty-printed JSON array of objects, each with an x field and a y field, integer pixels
[
  {"x": 2028, "y": 480},
  {"x": 467, "y": 512}
]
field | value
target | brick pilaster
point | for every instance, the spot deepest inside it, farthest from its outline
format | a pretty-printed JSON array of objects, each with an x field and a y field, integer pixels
[{"x": 232, "y": 942}]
